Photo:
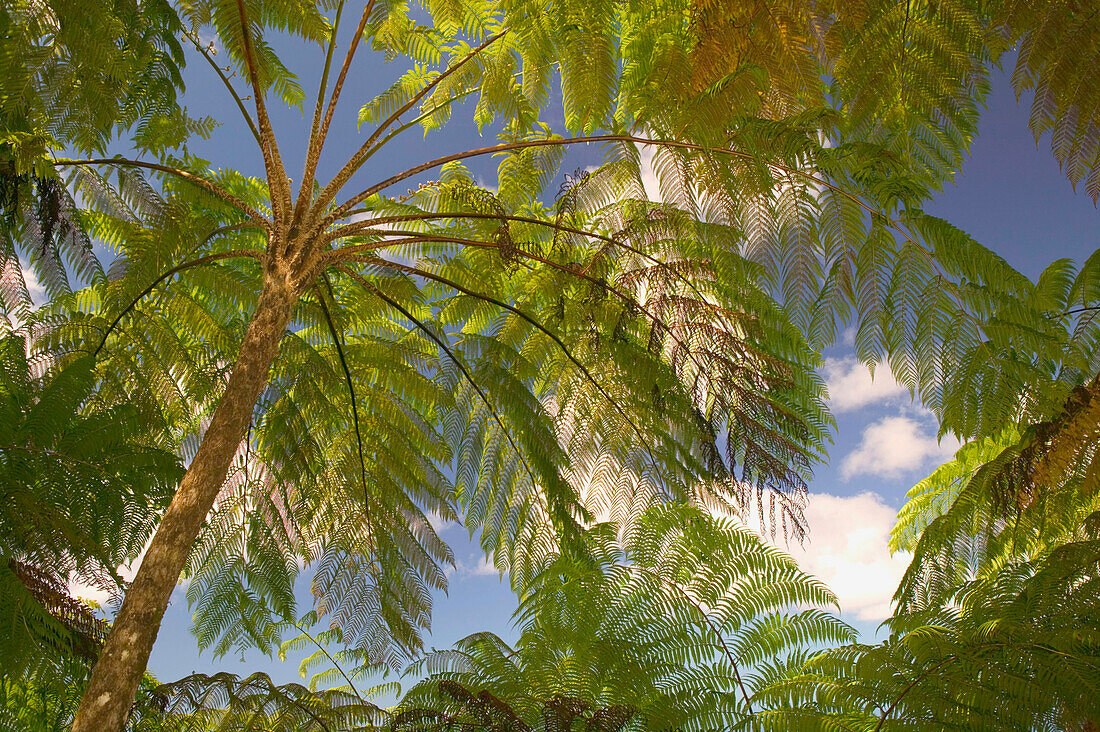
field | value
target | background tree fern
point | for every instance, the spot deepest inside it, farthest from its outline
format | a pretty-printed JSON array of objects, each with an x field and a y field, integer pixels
[
  {"x": 657, "y": 629},
  {"x": 994, "y": 618}
]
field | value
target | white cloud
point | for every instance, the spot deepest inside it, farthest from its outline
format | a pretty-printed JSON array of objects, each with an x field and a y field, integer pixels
[
  {"x": 34, "y": 287},
  {"x": 98, "y": 595},
  {"x": 851, "y": 386},
  {"x": 476, "y": 565},
  {"x": 847, "y": 549},
  {"x": 649, "y": 176},
  {"x": 89, "y": 593},
  {"x": 893, "y": 446}
]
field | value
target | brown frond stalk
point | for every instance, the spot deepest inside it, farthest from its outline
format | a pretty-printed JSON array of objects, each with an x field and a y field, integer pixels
[
  {"x": 365, "y": 150},
  {"x": 273, "y": 163},
  {"x": 319, "y": 131}
]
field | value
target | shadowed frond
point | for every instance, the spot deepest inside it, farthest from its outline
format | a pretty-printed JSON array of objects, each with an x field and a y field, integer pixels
[
  {"x": 995, "y": 616},
  {"x": 227, "y": 703},
  {"x": 82, "y": 482}
]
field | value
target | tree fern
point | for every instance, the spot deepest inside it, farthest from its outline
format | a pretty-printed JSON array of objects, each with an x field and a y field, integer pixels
[
  {"x": 546, "y": 350},
  {"x": 994, "y": 616},
  {"x": 45, "y": 700}
]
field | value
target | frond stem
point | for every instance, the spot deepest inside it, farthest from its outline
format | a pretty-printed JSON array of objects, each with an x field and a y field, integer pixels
[
  {"x": 362, "y": 281},
  {"x": 347, "y": 377},
  {"x": 909, "y": 687},
  {"x": 225, "y": 81},
  {"x": 364, "y": 151},
  {"x": 416, "y": 120},
  {"x": 313, "y": 715},
  {"x": 276, "y": 174},
  {"x": 317, "y": 142},
  {"x": 1075, "y": 311},
  {"x": 706, "y": 619},
  {"x": 318, "y": 109},
  {"x": 206, "y": 185},
  {"x": 332, "y": 660}
]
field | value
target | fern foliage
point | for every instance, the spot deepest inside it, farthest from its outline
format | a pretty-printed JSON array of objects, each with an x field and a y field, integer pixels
[
  {"x": 226, "y": 703},
  {"x": 83, "y": 482},
  {"x": 46, "y": 699},
  {"x": 1056, "y": 42},
  {"x": 44, "y": 243},
  {"x": 597, "y": 341},
  {"x": 657, "y": 628},
  {"x": 536, "y": 365},
  {"x": 304, "y": 20},
  {"x": 74, "y": 74},
  {"x": 659, "y": 625},
  {"x": 994, "y": 619}
]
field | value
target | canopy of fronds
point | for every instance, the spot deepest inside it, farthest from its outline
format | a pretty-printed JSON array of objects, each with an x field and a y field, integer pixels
[
  {"x": 45, "y": 699},
  {"x": 657, "y": 630},
  {"x": 534, "y": 365},
  {"x": 73, "y": 73},
  {"x": 654, "y": 628},
  {"x": 995, "y": 619}
]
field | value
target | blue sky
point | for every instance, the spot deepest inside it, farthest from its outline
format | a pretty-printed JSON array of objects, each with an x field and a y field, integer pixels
[{"x": 1010, "y": 195}]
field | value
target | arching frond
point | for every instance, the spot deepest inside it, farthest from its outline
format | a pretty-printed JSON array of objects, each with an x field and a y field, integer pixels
[
  {"x": 655, "y": 628},
  {"x": 226, "y": 703}
]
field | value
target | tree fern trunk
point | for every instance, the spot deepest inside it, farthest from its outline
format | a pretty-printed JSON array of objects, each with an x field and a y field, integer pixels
[{"x": 115, "y": 678}]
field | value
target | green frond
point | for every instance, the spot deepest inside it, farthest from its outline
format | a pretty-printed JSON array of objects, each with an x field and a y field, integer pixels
[
  {"x": 1056, "y": 43},
  {"x": 83, "y": 481},
  {"x": 656, "y": 627}
]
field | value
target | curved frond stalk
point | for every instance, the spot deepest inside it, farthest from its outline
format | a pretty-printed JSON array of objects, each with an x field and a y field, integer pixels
[
  {"x": 226, "y": 703},
  {"x": 351, "y": 387},
  {"x": 199, "y": 181}
]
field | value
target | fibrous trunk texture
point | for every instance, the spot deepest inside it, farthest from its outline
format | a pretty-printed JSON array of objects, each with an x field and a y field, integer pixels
[{"x": 118, "y": 672}]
